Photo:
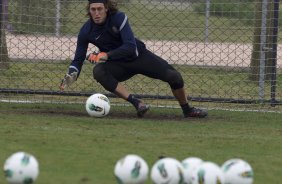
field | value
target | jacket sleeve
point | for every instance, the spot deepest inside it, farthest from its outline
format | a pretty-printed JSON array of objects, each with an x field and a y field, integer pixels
[
  {"x": 128, "y": 49},
  {"x": 80, "y": 53}
]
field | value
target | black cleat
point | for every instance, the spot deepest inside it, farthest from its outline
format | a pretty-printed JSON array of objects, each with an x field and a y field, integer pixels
[
  {"x": 196, "y": 113},
  {"x": 142, "y": 109}
]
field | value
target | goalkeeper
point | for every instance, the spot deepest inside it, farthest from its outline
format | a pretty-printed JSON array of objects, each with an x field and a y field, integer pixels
[{"x": 122, "y": 56}]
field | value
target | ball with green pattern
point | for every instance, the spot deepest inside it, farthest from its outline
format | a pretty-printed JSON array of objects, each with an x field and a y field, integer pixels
[
  {"x": 21, "y": 168},
  {"x": 208, "y": 173},
  {"x": 131, "y": 169},
  {"x": 237, "y": 171},
  {"x": 167, "y": 170},
  {"x": 97, "y": 105}
]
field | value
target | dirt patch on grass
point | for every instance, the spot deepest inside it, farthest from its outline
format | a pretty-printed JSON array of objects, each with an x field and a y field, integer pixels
[{"x": 155, "y": 116}]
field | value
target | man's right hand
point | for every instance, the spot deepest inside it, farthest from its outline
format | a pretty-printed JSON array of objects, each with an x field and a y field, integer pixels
[
  {"x": 68, "y": 80},
  {"x": 97, "y": 57}
]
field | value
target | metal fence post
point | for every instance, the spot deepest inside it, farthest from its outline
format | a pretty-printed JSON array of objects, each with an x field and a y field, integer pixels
[
  {"x": 262, "y": 49},
  {"x": 1, "y": 21},
  {"x": 274, "y": 52},
  {"x": 58, "y": 17},
  {"x": 207, "y": 21}
]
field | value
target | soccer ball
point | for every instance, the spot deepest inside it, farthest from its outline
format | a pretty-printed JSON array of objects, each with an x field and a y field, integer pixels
[
  {"x": 98, "y": 105},
  {"x": 131, "y": 169},
  {"x": 237, "y": 171},
  {"x": 167, "y": 170},
  {"x": 190, "y": 165},
  {"x": 208, "y": 173},
  {"x": 21, "y": 168}
]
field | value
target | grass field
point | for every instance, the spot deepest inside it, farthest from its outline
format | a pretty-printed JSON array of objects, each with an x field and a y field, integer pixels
[
  {"x": 171, "y": 23},
  {"x": 209, "y": 82},
  {"x": 74, "y": 148},
  {"x": 148, "y": 21}
]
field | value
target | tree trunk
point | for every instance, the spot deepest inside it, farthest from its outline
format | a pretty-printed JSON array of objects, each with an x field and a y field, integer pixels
[{"x": 255, "y": 59}]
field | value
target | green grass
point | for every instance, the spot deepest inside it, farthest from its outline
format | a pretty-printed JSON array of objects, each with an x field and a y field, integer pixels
[
  {"x": 228, "y": 23},
  {"x": 209, "y": 82},
  {"x": 147, "y": 20},
  {"x": 184, "y": 25},
  {"x": 74, "y": 148},
  {"x": 157, "y": 22}
]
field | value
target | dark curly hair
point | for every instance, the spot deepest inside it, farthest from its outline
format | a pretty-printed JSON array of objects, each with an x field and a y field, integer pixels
[{"x": 111, "y": 5}]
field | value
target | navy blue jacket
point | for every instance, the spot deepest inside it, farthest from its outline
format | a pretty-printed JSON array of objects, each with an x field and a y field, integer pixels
[{"x": 114, "y": 37}]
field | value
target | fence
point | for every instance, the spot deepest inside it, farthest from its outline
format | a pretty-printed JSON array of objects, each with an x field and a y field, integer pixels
[{"x": 228, "y": 51}]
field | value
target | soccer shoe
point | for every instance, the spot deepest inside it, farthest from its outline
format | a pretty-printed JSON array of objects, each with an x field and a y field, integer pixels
[
  {"x": 142, "y": 109},
  {"x": 196, "y": 113}
]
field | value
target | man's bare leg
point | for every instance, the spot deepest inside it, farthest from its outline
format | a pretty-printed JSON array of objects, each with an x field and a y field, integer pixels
[
  {"x": 122, "y": 92},
  {"x": 188, "y": 111},
  {"x": 180, "y": 95}
]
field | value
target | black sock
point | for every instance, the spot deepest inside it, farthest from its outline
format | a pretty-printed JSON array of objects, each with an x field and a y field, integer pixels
[
  {"x": 134, "y": 101},
  {"x": 185, "y": 108}
]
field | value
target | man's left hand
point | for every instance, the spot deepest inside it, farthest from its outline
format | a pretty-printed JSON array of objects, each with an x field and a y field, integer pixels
[
  {"x": 97, "y": 57},
  {"x": 68, "y": 80}
]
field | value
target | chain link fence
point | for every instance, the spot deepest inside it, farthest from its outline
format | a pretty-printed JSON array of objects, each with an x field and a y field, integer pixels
[{"x": 228, "y": 51}]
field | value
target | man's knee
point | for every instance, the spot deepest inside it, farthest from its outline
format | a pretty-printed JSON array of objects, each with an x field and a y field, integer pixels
[
  {"x": 175, "y": 79},
  {"x": 101, "y": 75}
]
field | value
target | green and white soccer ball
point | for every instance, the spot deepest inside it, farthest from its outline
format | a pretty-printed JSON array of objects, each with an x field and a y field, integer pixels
[
  {"x": 168, "y": 171},
  {"x": 190, "y": 165},
  {"x": 131, "y": 169},
  {"x": 98, "y": 105},
  {"x": 21, "y": 168},
  {"x": 208, "y": 173},
  {"x": 237, "y": 171}
]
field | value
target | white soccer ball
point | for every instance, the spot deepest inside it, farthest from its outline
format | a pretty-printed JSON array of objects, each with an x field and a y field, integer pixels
[
  {"x": 98, "y": 105},
  {"x": 131, "y": 169},
  {"x": 168, "y": 171},
  {"x": 21, "y": 168},
  {"x": 208, "y": 173},
  {"x": 190, "y": 165},
  {"x": 237, "y": 171}
]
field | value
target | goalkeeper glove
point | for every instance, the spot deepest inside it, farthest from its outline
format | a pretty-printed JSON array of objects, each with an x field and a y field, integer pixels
[
  {"x": 68, "y": 80},
  {"x": 97, "y": 57}
]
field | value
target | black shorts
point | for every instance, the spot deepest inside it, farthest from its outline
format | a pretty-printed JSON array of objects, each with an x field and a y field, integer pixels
[
  {"x": 110, "y": 73},
  {"x": 147, "y": 64}
]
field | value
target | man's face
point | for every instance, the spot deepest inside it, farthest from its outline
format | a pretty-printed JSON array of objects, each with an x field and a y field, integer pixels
[{"x": 98, "y": 12}]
